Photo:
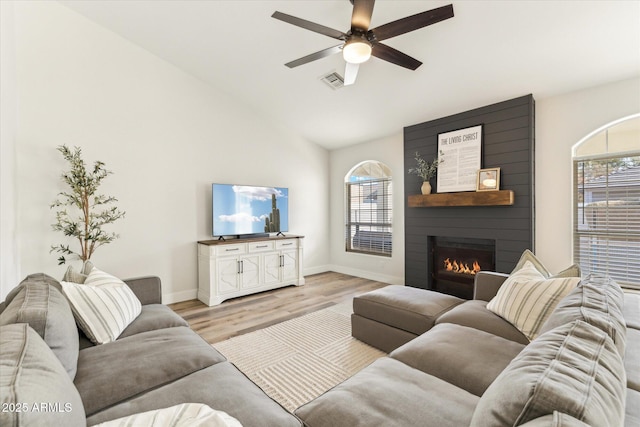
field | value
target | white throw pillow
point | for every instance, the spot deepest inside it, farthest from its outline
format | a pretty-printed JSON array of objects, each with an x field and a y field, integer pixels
[
  {"x": 103, "y": 306},
  {"x": 527, "y": 255},
  {"x": 527, "y": 298},
  {"x": 71, "y": 275},
  {"x": 183, "y": 415}
]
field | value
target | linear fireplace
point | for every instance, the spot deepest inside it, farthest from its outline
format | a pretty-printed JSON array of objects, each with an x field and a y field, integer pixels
[{"x": 454, "y": 262}]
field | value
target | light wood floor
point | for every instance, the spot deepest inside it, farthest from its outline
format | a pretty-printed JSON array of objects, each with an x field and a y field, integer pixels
[{"x": 245, "y": 314}]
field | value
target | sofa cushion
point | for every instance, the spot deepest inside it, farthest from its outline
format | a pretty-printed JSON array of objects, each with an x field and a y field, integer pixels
[
  {"x": 574, "y": 369},
  {"x": 465, "y": 357},
  {"x": 526, "y": 299},
  {"x": 113, "y": 372},
  {"x": 556, "y": 419},
  {"x": 404, "y": 307},
  {"x": 152, "y": 317},
  {"x": 47, "y": 311},
  {"x": 474, "y": 314},
  {"x": 390, "y": 393},
  {"x": 41, "y": 277},
  {"x": 103, "y": 306},
  {"x": 632, "y": 409},
  {"x": 221, "y": 386},
  {"x": 528, "y": 256},
  {"x": 631, "y": 308},
  {"x": 35, "y": 388},
  {"x": 632, "y": 359},
  {"x": 182, "y": 415},
  {"x": 597, "y": 300}
]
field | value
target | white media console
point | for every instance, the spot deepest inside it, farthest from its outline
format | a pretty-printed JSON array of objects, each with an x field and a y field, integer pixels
[{"x": 237, "y": 267}]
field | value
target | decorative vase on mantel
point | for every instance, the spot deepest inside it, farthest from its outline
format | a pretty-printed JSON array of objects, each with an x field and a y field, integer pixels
[
  {"x": 426, "y": 187},
  {"x": 426, "y": 170}
]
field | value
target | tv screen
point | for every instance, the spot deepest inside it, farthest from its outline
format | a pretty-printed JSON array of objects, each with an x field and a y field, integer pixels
[{"x": 245, "y": 209}]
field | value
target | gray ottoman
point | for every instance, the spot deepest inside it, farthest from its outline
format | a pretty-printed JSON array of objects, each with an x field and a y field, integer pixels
[{"x": 394, "y": 315}]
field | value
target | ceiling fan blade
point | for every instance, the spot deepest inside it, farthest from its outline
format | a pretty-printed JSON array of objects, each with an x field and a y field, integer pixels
[
  {"x": 394, "y": 56},
  {"x": 361, "y": 16},
  {"x": 411, "y": 23},
  {"x": 350, "y": 73},
  {"x": 311, "y": 26},
  {"x": 321, "y": 54}
]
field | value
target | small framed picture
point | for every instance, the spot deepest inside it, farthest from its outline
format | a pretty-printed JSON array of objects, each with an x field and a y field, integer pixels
[{"x": 488, "y": 179}]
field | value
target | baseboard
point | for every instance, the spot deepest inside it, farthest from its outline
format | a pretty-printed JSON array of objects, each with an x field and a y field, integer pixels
[
  {"x": 179, "y": 296},
  {"x": 367, "y": 275},
  {"x": 317, "y": 270}
]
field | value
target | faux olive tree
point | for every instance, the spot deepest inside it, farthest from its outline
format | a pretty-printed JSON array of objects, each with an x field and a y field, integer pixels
[{"x": 81, "y": 213}]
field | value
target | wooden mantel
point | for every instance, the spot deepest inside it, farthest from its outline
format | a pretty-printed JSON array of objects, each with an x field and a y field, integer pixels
[{"x": 479, "y": 198}]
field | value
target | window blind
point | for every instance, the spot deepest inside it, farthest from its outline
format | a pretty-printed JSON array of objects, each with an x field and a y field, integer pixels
[
  {"x": 369, "y": 216},
  {"x": 607, "y": 217}
]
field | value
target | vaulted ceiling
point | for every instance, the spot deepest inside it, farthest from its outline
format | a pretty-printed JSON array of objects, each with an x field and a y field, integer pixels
[{"x": 488, "y": 52}]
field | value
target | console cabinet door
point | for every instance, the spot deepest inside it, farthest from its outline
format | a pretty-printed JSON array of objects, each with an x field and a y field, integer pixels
[
  {"x": 250, "y": 271},
  {"x": 281, "y": 267},
  {"x": 272, "y": 268},
  {"x": 289, "y": 265},
  {"x": 228, "y": 275}
]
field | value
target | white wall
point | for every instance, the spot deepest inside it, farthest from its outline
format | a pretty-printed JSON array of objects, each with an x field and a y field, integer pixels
[
  {"x": 9, "y": 272},
  {"x": 166, "y": 136},
  {"x": 561, "y": 122},
  {"x": 390, "y": 152}
]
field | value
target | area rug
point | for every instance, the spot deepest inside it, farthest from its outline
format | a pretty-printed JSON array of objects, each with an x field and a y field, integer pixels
[{"x": 299, "y": 359}]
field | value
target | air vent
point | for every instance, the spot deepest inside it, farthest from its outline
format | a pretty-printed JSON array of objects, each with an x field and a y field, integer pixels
[{"x": 333, "y": 80}]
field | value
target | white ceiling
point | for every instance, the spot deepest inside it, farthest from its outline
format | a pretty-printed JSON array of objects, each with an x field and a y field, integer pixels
[{"x": 490, "y": 51}]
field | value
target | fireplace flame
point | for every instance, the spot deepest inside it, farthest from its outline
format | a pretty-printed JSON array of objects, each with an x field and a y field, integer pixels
[{"x": 460, "y": 267}]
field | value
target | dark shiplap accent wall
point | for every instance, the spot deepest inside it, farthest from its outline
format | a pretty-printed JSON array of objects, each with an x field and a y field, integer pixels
[{"x": 508, "y": 143}]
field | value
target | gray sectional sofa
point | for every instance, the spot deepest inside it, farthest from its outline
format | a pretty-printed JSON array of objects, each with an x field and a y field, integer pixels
[
  {"x": 52, "y": 375},
  {"x": 459, "y": 364}
]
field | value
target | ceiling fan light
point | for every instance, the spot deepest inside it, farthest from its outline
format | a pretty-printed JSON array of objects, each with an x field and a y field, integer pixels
[{"x": 356, "y": 51}]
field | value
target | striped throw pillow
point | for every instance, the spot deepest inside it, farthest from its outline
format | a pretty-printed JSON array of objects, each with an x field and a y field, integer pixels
[
  {"x": 182, "y": 415},
  {"x": 103, "y": 306},
  {"x": 527, "y": 298}
]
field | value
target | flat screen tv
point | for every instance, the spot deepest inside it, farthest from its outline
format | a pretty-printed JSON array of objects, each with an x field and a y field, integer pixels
[{"x": 245, "y": 209}]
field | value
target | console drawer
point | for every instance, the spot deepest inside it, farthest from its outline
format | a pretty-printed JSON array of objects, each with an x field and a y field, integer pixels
[
  {"x": 231, "y": 249},
  {"x": 260, "y": 246},
  {"x": 287, "y": 244}
]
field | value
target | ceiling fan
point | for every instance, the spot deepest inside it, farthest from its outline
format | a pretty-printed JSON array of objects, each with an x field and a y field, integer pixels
[{"x": 359, "y": 43}]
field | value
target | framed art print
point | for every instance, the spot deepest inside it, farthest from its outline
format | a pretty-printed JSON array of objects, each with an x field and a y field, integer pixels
[
  {"x": 460, "y": 156},
  {"x": 488, "y": 179}
]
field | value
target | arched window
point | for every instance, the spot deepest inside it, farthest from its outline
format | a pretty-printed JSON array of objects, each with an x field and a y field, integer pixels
[
  {"x": 606, "y": 234},
  {"x": 368, "y": 190}
]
